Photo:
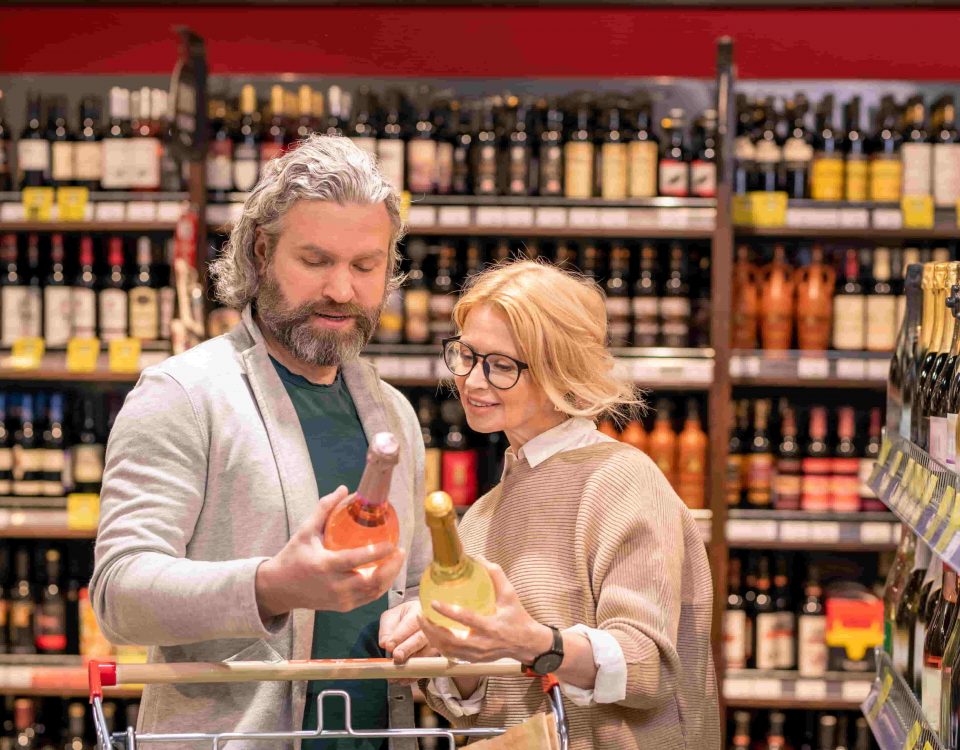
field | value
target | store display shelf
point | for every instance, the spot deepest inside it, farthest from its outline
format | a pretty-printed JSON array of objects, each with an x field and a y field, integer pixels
[
  {"x": 104, "y": 211},
  {"x": 805, "y": 530},
  {"x": 57, "y": 681},
  {"x": 751, "y": 688},
  {"x": 810, "y": 369},
  {"x": 53, "y": 368},
  {"x": 26, "y": 522},
  {"x": 893, "y": 712},
  {"x": 922, "y": 492}
]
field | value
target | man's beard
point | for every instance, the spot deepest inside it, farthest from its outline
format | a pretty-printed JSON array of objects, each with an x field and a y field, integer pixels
[{"x": 295, "y": 331}]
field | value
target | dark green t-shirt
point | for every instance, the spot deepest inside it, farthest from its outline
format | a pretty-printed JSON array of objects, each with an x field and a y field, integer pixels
[{"x": 338, "y": 449}]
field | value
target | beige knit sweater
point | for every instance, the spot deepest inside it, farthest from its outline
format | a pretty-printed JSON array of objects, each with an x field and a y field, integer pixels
[{"x": 597, "y": 536}]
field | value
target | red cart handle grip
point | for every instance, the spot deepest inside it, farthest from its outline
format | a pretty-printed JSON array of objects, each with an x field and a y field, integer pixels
[{"x": 101, "y": 674}]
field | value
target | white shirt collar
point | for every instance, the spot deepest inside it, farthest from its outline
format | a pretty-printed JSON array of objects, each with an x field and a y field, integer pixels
[{"x": 573, "y": 433}]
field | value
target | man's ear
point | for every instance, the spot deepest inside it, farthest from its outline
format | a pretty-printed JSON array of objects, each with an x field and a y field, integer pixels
[{"x": 260, "y": 247}]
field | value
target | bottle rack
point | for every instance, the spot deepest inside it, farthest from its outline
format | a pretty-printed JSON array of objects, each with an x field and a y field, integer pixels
[{"x": 893, "y": 713}]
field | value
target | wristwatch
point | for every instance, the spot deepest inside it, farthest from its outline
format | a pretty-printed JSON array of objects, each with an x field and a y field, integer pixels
[{"x": 549, "y": 661}]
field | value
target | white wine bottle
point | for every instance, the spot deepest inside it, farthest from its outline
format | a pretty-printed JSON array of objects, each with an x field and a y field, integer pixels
[{"x": 453, "y": 577}]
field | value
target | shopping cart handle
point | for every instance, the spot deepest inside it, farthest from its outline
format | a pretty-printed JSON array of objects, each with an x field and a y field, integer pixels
[
  {"x": 547, "y": 681},
  {"x": 101, "y": 674}
]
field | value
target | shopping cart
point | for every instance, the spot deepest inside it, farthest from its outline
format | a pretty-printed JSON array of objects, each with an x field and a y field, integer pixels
[{"x": 108, "y": 674}]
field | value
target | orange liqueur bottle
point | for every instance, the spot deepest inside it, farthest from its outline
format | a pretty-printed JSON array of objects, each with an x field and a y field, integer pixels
[
  {"x": 814, "y": 284},
  {"x": 777, "y": 302},
  {"x": 746, "y": 301},
  {"x": 634, "y": 434},
  {"x": 662, "y": 446},
  {"x": 692, "y": 459}
]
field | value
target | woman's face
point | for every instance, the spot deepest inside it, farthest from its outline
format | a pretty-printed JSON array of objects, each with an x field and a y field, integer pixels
[{"x": 522, "y": 412}]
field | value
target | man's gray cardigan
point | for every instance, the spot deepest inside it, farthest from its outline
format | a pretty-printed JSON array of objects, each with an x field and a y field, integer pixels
[{"x": 207, "y": 475}]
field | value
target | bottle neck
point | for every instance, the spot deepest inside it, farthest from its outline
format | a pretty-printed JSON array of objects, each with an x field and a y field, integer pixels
[{"x": 448, "y": 553}]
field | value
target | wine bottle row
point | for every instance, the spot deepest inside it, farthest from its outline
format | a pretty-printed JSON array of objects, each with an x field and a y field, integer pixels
[
  {"x": 62, "y": 287},
  {"x": 53, "y": 724},
  {"x": 911, "y": 149},
  {"x": 777, "y": 730}
]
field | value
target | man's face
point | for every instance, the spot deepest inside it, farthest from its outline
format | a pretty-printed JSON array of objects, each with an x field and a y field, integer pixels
[{"x": 323, "y": 288}]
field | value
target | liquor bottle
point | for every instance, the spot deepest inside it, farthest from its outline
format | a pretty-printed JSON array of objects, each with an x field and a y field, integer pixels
[
  {"x": 662, "y": 447},
  {"x": 746, "y": 301},
  {"x": 57, "y": 305},
  {"x": 905, "y": 646},
  {"x": 53, "y": 445},
  {"x": 24, "y": 724},
  {"x": 703, "y": 165},
  {"x": 946, "y": 154},
  {"x": 33, "y": 148},
  {"x": 759, "y": 459},
  {"x": 740, "y": 740},
  {"x": 842, "y": 732},
  {"x": 453, "y": 577},
  {"x": 61, "y": 143},
  {"x": 551, "y": 151},
  {"x": 117, "y": 164},
  {"x": 246, "y": 142},
  {"x": 142, "y": 296},
  {"x": 458, "y": 469},
  {"x": 886, "y": 171},
  {"x": 363, "y": 129},
  {"x": 274, "y": 140},
  {"x": 934, "y": 646},
  {"x": 871, "y": 452},
  {"x": 369, "y": 518},
  {"x": 427, "y": 416},
  {"x": 941, "y": 443},
  {"x": 390, "y": 146},
  {"x": 734, "y": 621},
  {"x": 749, "y": 602},
  {"x": 613, "y": 154},
  {"x": 949, "y": 728},
  {"x": 416, "y": 299},
  {"x": 766, "y": 621},
  {"x": 145, "y": 148},
  {"x": 607, "y": 427},
  {"x": 307, "y": 123},
  {"x": 6, "y": 453},
  {"x": 578, "y": 153},
  {"x": 827, "y": 732},
  {"x": 6, "y": 149},
  {"x": 422, "y": 149},
  {"x": 219, "y": 153},
  {"x": 767, "y": 151},
  {"x": 812, "y": 628},
  {"x": 777, "y": 301},
  {"x": 86, "y": 455},
  {"x": 336, "y": 115},
  {"x": 743, "y": 148},
  {"x": 692, "y": 459},
  {"x": 845, "y": 466},
  {"x": 21, "y": 606},
  {"x": 590, "y": 261},
  {"x": 445, "y": 132},
  {"x": 700, "y": 302},
  {"x": 515, "y": 171},
  {"x": 463, "y": 123},
  {"x": 735, "y": 484},
  {"x": 788, "y": 478},
  {"x": 112, "y": 299},
  {"x": 675, "y": 302},
  {"x": 484, "y": 157},
  {"x": 634, "y": 434},
  {"x": 51, "y": 613},
  {"x": 786, "y": 636},
  {"x": 893, "y": 588},
  {"x": 916, "y": 151},
  {"x": 618, "y": 296},
  {"x": 643, "y": 154},
  {"x": 881, "y": 310},
  {"x": 933, "y": 347},
  {"x": 814, "y": 283},
  {"x": 826, "y": 173},
  {"x": 817, "y": 464},
  {"x": 83, "y": 297},
  {"x": 646, "y": 302},
  {"x": 776, "y": 734},
  {"x": 904, "y": 364},
  {"x": 443, "y": 295},
  {"x": 797, "y": 148},
  {"x": 27, "y": 456},
  {"x": 849, "y": 307},
  {"x": 76, "y": 727},
  {"x": 856, "y": 171},
  {"x": 863, "y": 739},
  {"x": 674, "y": 170}
]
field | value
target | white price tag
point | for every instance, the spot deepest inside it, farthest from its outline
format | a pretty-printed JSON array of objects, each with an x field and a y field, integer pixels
[
  {"x": 490, "y": 216},
  {"x": 171, "y": 210},
  {"x": 419, "y": 368},
  {"x": 746, "y": 531},
  {"x": 854, "y": 218},
  {"x": 421, "y": 216},
  {"x": 751, "y": 367},
  {"x": 11, "y": 211},
  {"x": 887, "y": 218},
  {"x": 767, "y": 688},
  {"x": 141, "y": 211},
  {"x": 16, "y": 677},
  {"x": 700, "y": 373},
  {"x": 551, "y": 216},
  {"x": 736, "y": 367},
  {"x": 878, "y": 369},
  {"x": 235, "y": 213},
  {"x": 644, "y": 218},
  {"x": 851, "y": 369},
  {"x": 584, "y": 218},
  {"x": 794, "y": 531},
  {"x": 855, "y": 691},
  {"x": 109, "y": 211},
  {"x": 735, "y": 687},
  {"x": 812, "y": 690},
  {"x": 218, "y": 214},
  {"x": 673, "y": 218},
  {"x": 803, "y": 218},
  {"x": 453, "y": 216},
  {"x": 518, "y": 216},
  {"x": 441, "y": 371},
  {"x": 876, "y": 532},
  {"x": 811, "y": 368},
  {"x": 826, "y": 531},
  {"x": 614, "y": 218},
  {"x": 4, "y": 518}
]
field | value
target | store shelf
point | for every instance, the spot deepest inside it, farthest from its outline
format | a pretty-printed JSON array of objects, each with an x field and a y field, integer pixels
[
  {"x": 53, "y": 368},
  {"x": 30, "y": 522},
  {"x": 66, "y": 680},
  {"x": 751, "y": 688},
  {"x": 893, "y": 712},
  {"x": 104, "y": 212},
  {"x": 803, "y": 530},
  {"x": 809, "y": 369}
]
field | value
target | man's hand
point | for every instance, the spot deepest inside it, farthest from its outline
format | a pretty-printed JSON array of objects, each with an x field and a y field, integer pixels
[
  {"x": 400, "y": 633},
  {"x": 306, "y": 575}
]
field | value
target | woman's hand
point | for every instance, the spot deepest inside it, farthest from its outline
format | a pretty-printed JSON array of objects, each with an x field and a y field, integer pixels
[
  {"x": 401, "y": 637},
  {"x": 509, "y": 633}
]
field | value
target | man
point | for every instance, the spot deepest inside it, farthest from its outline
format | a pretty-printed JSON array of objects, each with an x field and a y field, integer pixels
[{"x": 226, "y": 461}]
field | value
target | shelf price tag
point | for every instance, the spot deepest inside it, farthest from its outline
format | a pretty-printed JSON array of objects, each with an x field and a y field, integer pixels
[
  {"x": 912, "y": 736},
  {"x": 125, "y": 355},
  {"x": 917, "y": 211},
  {"x": 83, "y": 511},
  {"x": 768, "y": 209},
  {"x": 72, "y": 203},
  {"x": 37, "y": 203},
  {"x": 883, "y": 694},
  {"x": 884, "y": 451},
  {"x": 27, "y": 353},
  {"x": 82, "y": 355},
  {"x": 949, "y": 497}
]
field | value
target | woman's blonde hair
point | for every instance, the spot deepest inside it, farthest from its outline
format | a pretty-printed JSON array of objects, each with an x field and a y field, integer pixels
[{"x": 559, "y": 322}]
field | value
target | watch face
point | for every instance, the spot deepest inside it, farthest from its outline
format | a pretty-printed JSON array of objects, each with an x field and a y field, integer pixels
[{"x": 547, "y": 663}]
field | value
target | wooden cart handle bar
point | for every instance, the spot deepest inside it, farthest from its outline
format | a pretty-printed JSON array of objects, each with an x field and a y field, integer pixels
[{"x": 108, "y": 674}]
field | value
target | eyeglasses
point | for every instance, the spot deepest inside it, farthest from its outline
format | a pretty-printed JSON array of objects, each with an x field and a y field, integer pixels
[{"x": 501, "y": 371}]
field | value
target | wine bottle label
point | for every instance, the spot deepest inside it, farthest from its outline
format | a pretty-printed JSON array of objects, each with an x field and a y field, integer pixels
[
  {"x": 21, "y": 614},
  {"x": 885, "y": 179},
  {"x": 813, "y": 327},
  {"x": 417, "y": 324},
  {"x": 518, "y": 170},
  {"x": 441, "y": 305},
  {"x": 856, "y": 180},
  {"x": 812, "y": 645},
  {"x": 20, "y": 313},
  {"x": 863, "y": 474},
  {"x": 53, "y": 463},
  {"x": 86, "y": 463},
  {"x": 391, "y": 154},
  {"x": 618, "y": 320},
  {"x": 84, "y": 319},
  {"x": 444, "y": 176},
  {"x": 767, "y": 650},
  {"x": 551, "y": 170},
  {"x": 703, "y": 179},
  {"x": 787, "y": 484},
  {"x": 797, "y": 153},
  {"x": 743, "y": 148},
  {"x": 845, "y": 486},
  {"x": 431, "y": 470},
  {"x": 930, "y": 691},
  {"x": 220, "y": 165},
  {"x": 786, "y": 640},
  {"x": 145, "y": 156},
  {"x": 458, "y": 476},
  {"x": 63, "y": 161},
  {"x": 946, "y": 174},
  {"x": 33, "y": 155},
  {"x": 917, "y": 160},
  {"x": 27, "y": 469},
  {"x": 366, "y": 144},
  {"x": 246, "y": 166},
  {"x": 881, "y": 317},
  {"x": 269, "y": 151},
  {"x": 767, "y": 152},
  {"x": 733, "y": 483},
  {"x": 144, "y": 313},
  {"x": 167, "y": 301},
  {"x": 815, "y": 484},
  {"x": 613, "y": 171},
  {"x": 674, "y": 307},
  {"x": 113, "y": 314},
  {"x": 849, "y": 321},
  {"x": 826, "y": 179},
  {"x": 421, "y": 165},
  {"x": 734, "y": 639},
  {"x": 642, "y": 157},
  {"x": 390, "y": 330},
  {"x": 579, "y": 169},
  {"x": 759, "y": 478},
  {"x": 486, "y": 180},
  {"x": 6, "y": 471},
  {"x": 58, "y": 312},
  {"x": 674, "y": 178},
  {"x": 618, "y": 307},
  {"x": 117, "y": 164},
  {"x": 937, "y": 440},
  {"x": 88, "y": 161}
]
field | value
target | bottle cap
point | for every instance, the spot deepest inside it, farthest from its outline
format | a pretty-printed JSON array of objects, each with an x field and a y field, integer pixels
[{"x": 438, "y": 504}]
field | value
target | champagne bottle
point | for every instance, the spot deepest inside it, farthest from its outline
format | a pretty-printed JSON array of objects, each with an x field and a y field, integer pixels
[
  {"x": 370, "y": 518},
  {"x": 453, "y": 577}
]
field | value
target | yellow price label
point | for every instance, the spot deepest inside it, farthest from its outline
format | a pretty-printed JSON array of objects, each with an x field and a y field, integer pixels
[
  {"x": 742, "y": 212},
  {"x": 929, "y": 488},
  {"x": 895, "y": 464},
  {"x": 912, "y": 736},
  {"x": 920, "y": 475},
  {"x": 404, "y": 206},
  {"x": 917, "y": 211},
  {"x": 125, "y": 355},
  {"x": 949, "y": 498},
  {"x": 927, "y": 745},
  {"x": 943, "y": 508},
  {"x": 37, "y": 203},
  {"x": 885, "y": 447},
  {"x": 27, "y": 353},
  {"x": 83, "y": 511},
  {"x": 72, "y": 203},
  {"x": 884, "y": 693},
  {"x": 82, "y": 355},
  {"x": 768, "y": 209}
]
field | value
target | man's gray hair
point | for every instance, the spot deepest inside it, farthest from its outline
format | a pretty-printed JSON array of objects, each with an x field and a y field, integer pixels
[{"x": 321, "y": 167}]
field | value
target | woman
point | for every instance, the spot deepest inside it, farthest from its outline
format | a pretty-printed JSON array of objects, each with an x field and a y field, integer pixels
[{"x": 591, "y": 551}]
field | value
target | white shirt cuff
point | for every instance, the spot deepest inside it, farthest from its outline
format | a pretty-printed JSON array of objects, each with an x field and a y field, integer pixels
[
  {"x": 611, "y": 683},
  {"x": 446, "y": 690}
]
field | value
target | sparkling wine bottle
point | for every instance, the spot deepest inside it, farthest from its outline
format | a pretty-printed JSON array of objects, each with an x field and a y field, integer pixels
[
  {"x": 453, "y": 577},
  {"x": 369, "y": 518}
]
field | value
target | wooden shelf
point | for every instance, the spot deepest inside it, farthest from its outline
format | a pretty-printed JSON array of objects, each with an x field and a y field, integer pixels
[
  {"x": 803, "y": 530},
  {"x": 87, "y": 226},
  {"x": 866, "y": 235},
  {"x": 809, "y": 369},
  {"x": 750, "y": 688},
  {"x": 53, "y": 369},
  {"x": 475, "y": 230}
]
